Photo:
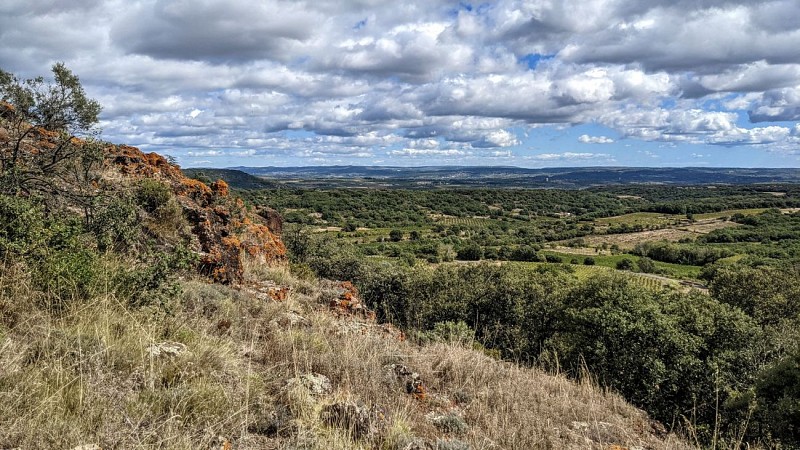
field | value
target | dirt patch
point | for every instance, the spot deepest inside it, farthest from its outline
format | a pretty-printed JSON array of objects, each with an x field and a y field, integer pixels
[{"x": 627, "y": 241}]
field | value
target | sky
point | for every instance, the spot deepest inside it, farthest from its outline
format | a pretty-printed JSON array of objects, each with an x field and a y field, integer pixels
[{"x": 540, "y": 83}]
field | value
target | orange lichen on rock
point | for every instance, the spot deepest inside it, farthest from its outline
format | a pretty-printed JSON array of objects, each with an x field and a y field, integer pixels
[
  {"x": 348, "y": 303},
  {"x": 279, "y": 294},
  {"x": 220, "y": 188},
  {"x": 225, "y": 230}
]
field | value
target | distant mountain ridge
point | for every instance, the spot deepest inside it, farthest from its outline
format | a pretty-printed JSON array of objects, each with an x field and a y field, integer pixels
[{"x": 509, "y": 176}]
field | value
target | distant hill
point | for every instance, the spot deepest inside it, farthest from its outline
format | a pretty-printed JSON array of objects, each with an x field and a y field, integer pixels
[
  {"x": 565, "y": 177},
  {"x": 235, "y": 178}
]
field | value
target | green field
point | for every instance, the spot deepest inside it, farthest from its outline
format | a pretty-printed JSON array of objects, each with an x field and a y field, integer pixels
[{"x": 639, "y": 218}]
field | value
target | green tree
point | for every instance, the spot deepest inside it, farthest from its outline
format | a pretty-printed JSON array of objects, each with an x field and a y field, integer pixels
[
  {"x": 396, "y": 235},
  {"x": 470, "y": 252},
  {"x": 625, "y": 264},
  {"x": 646, "y": 265},
  {"x": 778, "y": 394},
  {"x": 50, "y": 115}
]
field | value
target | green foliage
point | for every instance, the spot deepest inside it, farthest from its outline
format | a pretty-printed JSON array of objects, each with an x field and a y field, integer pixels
[
  {"x": 453, "y": 332},
  {"x": 555, "y": 259},
  {"x": 625, "y": 264},
  {"x": 21, "y": 225},
  {"x": 646, "y": 265},
  {"x": 693, "y": 255},
  {"x": 396, "y": 235},
  {"x": 67, "y": 275},
  {"x": 116, "y": 225},
  {"x": 61, "y": 109},
  {"x": 588, "y": 261},
  {"x": 152, "y": 195},
  {"x": 470, "y": 252},
  {"x": 768, "y": 294},
  {"x": 778, "y": 400}
]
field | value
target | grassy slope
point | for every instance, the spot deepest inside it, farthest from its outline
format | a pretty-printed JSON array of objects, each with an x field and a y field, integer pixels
[{"x": 84, "y": 375}]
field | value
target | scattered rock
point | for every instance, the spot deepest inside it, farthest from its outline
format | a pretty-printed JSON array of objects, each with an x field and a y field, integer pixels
[
  {"x": 451, "y": 444},
  {"x": 316, "y": 384},
  {"x": 166, "y": 349},
  {"x": 273, "y": 219},
  {"x": 448, "y": 423},
  {"x": 348, "y": 303},
  {"x": 291, "y": 319},
  {"x": 221, "y": 443},
  {"x": 411, "y": 379},
  {"x": 279, "y": 294},
  {"x": 278, "y": 423},
  {"x": 268, "y": 291},
  {"x": 416, "y": 444},
  {"x": 355, "y": 417},
  {"x": 223, "y": 229}
]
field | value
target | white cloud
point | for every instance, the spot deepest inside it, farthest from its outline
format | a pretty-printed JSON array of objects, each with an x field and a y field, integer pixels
[
  {"x": 499, "y": 138},
  {"x": 569, "y": 156},
  {"x": 415, "y": 152},
  {"x": 347, "y": 79},
  {"x": 586, "y": 139}
]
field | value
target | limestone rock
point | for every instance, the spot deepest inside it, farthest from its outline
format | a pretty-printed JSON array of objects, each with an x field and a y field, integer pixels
[
  {"x": 316, "y": 384},
  {"x": 166, "y": 349},
  {"x": 356, "y": 418},
  {"x": 412, "y": 380}
]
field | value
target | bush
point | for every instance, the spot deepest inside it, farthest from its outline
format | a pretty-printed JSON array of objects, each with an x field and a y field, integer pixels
[
  {"x": 116, "y": 226},
  {"x": 68, "y": 274},
  {"x": 553, "y": 259},
  {"x": 588, "y": 261},
  {"x": 471, "y": 252},
  {"x": 21, "y": 225},
  {"x": 152, "y": 195},
  {"x": 625, "y": 264},
  {"x": 778, "y": 396},
  {"x": 646, "y": 265},
  {"x": 524, "y": 253}
]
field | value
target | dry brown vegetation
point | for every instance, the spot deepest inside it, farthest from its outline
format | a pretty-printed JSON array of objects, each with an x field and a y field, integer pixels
[
  {"x": 626, "y": 241},
  {"x": 212, "y": 366}
]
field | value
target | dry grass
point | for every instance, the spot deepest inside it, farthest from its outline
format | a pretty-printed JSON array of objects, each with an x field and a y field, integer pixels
[
  {"x": 627, "y": 241},
  {"x": 85, "y": 375}
]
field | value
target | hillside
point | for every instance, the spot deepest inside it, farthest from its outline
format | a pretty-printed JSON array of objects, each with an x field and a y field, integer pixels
[
  {"x": 270, "y": 364},
  {"x": 514, "y": 177},
  {"x": 143, "y": 309},
  {"x": 235, "y": 178}
]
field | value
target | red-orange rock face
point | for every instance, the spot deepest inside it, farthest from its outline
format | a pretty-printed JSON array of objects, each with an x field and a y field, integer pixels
[{"x": 225, "y": 229}]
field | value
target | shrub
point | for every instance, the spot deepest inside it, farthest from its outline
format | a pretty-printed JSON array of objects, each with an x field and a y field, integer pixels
[
  {"x": 625, "y": 264},
  {"x": 152, "y": 195},
  {"x": 646, "y": 265},
  {"x": 553, "y": 259},
  {"x": 470, "y": 252},
  {"x": 588, "y": 261},
  {"x": 778, "y": 394},
  {"x": 67, "y": 274},
  {"x": 116, "y": 226},
  {"x": 21, "y": 225}
]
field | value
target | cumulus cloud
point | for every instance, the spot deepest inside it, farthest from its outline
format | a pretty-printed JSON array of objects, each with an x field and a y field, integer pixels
[
  {"x": 569, "y": 156},
  {"x": 421, "y": 78},
  {"x": 499, "y": 138},
  {"x": 416, "y": 152},
  {"x": 586, "y": 139}
]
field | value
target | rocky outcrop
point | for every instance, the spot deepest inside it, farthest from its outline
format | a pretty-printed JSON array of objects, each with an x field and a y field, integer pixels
[{"x": 225, "y": 231}]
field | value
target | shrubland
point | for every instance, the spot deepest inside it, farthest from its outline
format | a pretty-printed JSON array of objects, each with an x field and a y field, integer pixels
[
  {"x": 697, "y": 362},
  {"x": 142, "y": 309}
]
